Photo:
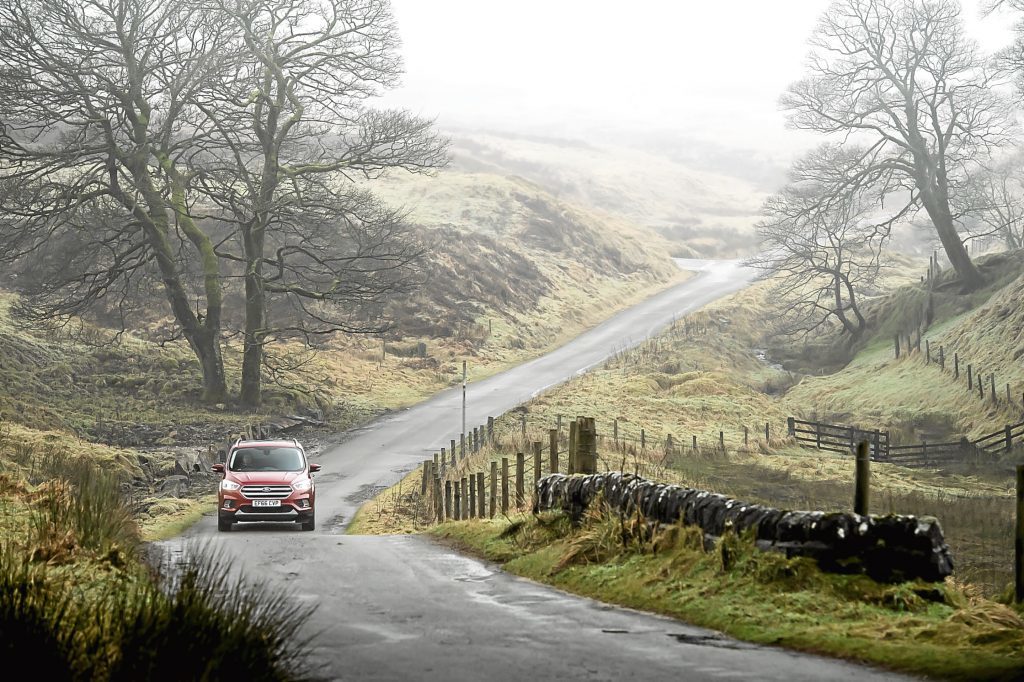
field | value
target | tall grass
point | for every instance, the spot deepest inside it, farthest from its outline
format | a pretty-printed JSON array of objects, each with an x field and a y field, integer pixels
[
  {"x": 38, "y": 623},
  {"x": 78, "y": 602},
  {"x": 82, "y": 506},
  {"x": 197, "y": 622}
]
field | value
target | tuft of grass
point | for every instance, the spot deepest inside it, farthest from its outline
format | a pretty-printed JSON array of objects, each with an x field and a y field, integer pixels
[
  {"x": 81, "y": 506},
  {"x": 203, "y": 622}
]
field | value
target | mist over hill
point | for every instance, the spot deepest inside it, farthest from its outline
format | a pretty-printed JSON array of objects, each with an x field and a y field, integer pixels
[{"x": 703, "y": 197}]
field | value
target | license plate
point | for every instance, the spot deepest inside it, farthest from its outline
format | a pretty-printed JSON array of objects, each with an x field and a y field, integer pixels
[{"x": 266, "y": 503}]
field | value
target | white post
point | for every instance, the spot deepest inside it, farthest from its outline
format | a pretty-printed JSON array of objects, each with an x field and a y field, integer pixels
[{"x": 463, "y": 396}]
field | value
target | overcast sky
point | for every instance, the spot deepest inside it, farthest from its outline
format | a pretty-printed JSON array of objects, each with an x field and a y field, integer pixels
[{"x": 700, "y": 67}]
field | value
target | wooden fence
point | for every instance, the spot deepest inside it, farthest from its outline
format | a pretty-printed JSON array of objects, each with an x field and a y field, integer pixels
[
  {"x": 456, "y": 492},
  {"x": 932, "y": 454},
  {"x": 842, "y": 439},
  {"x": 838, "y": 438},
  {"x": 999, "y": 442}
]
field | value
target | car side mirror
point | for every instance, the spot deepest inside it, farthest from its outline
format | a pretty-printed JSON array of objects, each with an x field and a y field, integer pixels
[
  {"x": 313, "y": 468},
  {"x": 217, "y": 468}
]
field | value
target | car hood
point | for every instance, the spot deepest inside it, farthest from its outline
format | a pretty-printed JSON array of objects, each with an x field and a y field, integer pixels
[{"x": 268, "y": 477}]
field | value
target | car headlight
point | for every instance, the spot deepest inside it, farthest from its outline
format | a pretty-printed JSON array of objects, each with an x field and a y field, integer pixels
[
  {"x": 229, "y": 485},
  {"x": 302, "y": 485}
]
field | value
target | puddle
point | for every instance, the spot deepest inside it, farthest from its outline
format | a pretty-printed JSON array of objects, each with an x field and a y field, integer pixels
[
  {"x": 709, "y": 640},
  {"x": 365, "y": 493}
]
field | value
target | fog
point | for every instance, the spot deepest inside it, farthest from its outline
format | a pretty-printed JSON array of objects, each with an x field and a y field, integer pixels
[{"x": 703, "y": 70}]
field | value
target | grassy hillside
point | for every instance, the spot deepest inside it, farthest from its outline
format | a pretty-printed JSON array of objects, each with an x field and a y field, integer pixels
[{"x": 915, "y": 399}]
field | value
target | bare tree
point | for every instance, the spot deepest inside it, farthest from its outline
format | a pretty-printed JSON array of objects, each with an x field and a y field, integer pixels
[
  {"x": 993, "y": 200},
  {"x": 900, "y": 78},
  {"x": 199, "y": 144},
  {"x": 823, "y": 246},
  {"x": 93, "y": 109},
  {"x": 297, "y": 132}
]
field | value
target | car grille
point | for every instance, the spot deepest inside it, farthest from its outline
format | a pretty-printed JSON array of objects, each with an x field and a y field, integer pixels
[{"x": 266, "y": 492}]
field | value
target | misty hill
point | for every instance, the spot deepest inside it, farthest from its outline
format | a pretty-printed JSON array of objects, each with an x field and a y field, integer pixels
[
  {"x": 705, "y": 200},
  {"x": 502, "y": 245}
]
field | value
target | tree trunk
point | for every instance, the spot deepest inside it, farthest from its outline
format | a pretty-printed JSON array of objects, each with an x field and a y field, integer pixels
[
  {"x": 937, "y": 206},
  {"x": 207, "y": 349},
  {"x": 252, "y": 352},
  {"x": 203, "y": 336}
]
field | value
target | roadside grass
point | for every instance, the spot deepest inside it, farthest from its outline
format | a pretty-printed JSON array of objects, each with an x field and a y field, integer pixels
[
  {"x": 79, "y": 599},
  {"x": 397, "y": 510},
  {"x": 169, "y": 517},
  {"x": 938, "y": 630}
]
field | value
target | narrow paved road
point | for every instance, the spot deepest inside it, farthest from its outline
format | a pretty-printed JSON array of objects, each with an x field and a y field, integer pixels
[{"x": 403, "y": 608}]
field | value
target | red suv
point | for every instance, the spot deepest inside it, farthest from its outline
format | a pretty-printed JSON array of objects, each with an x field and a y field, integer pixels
[{"x": 266, "y": 480}]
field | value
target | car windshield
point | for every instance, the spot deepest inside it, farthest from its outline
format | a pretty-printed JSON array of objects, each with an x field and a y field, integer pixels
[{"x": 266, "y": 459}]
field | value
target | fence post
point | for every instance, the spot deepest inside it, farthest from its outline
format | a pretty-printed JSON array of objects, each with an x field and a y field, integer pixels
[
  {"x": 767, "y": 436},
  {"x": 490, "y": 430},
  {"x": 1018, "y": 544},
  {"x": 447, "y": 500},
  {"x": 537, "y": 447},
  {"x": 462, "y": 447},
  {"x": 1009, "y": 437},
  {"x": 520, "y": 483},
  {"x": 437, "y": 460},
  {"x": 956, "y": 365},
  {"x": 878, "y": 444},
  {"x": 553, "y": 447},
  {"x": 942, "y": 358},
  {"x": 791, "y": 425},
  {"x": 817, "y": 433},
  {"x": 458, "y": 499},
  {"x": 897, "y": 346},
  {"x": 746, "y": 436},
  {"x": 586, "y": 445},
  {"x": 472, "y": 497},
  {"x": 426, "y": 476},
  {"x": 992, "y": 378},
  {"x": 927, "y": 352},
  {"x": 480, "y": 494},
  {"x": 721, "y": 441},
  {"x": 438, "y": 501},
  {"x": 981, "y": 387},
  {"x": 504, "y": 485},
  {"x": 465, "y": 499},
  {"x": 615, "y": 433},
  {"x": 863, "y": 479},
  {"x": 570, "y": 465},
  {"x": 668, "y": 444},
  {"x": 970, "y": 379},
  {"x": 494, "y": 488},
  {"x": 522, "y": 419},
  {"x": 453, "y": 451},
  {"x": 643, "y": 439}
]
